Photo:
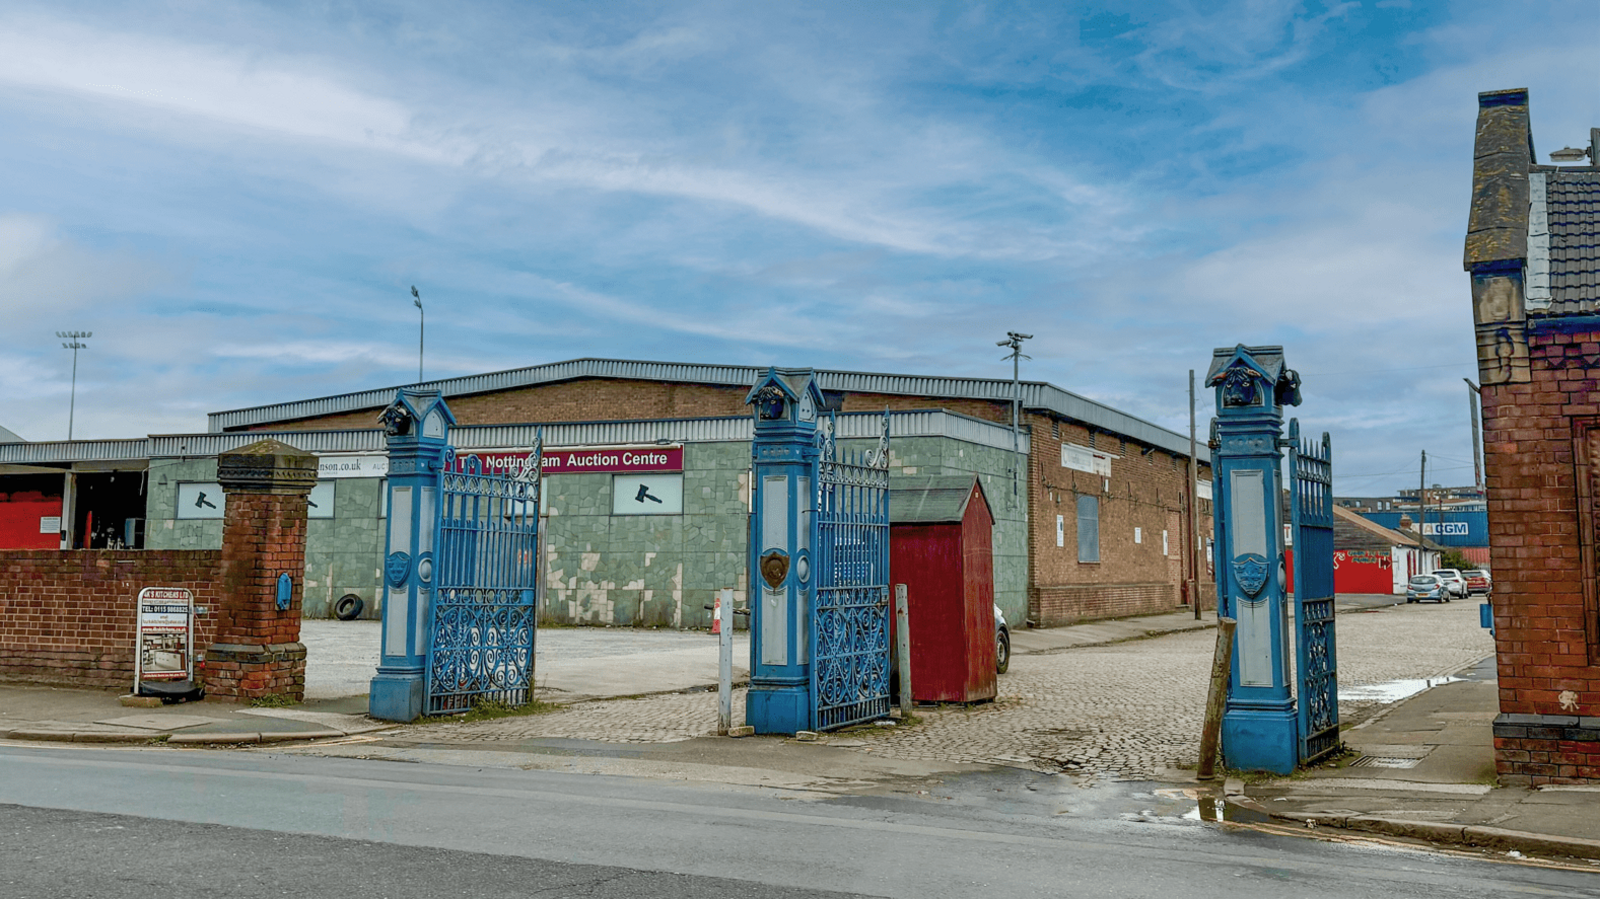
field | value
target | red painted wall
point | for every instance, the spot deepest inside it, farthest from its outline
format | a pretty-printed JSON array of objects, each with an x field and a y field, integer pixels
[
  {"x": 1362, "y": 571},
  {"x": 19, "y": 520}
]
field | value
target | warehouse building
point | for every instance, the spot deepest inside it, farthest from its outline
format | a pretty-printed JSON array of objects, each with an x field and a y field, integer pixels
[{"x": 647, "y": 488}]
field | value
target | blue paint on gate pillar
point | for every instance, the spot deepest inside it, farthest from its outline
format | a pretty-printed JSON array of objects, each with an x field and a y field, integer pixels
[
  {"x": 418, "y": 427},
  {"x": 1260, "y": 727},
  {"x": 784, "y": 460}
]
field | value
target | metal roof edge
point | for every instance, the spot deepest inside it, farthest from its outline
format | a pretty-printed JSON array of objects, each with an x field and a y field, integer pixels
[{"x": 1037, "y": 394}]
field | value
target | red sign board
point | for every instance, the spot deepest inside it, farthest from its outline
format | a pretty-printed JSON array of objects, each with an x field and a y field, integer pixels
[{"x": 607, "y": 460}]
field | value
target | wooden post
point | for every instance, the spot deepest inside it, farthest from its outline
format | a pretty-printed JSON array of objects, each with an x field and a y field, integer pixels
[
  {"x": 902, "y": 647},
  {"x": 1217, "y": 699},
  {"x": 725, "y": 662}
]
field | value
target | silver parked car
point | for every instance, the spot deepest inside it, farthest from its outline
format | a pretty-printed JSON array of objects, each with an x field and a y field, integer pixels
[
  {"x": 1427, "y": 586},
  {"x": 1452, "y": 579}
]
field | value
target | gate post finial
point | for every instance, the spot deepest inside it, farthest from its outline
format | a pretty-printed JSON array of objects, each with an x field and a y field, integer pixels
[
  {"x": 418, "y": 427},
  {"x": 1260, "y": 728}
]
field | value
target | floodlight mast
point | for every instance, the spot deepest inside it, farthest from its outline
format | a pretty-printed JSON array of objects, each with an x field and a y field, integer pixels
[
  {"x": 73, "y": 343},
  {"x": 1014, "y": 341}
]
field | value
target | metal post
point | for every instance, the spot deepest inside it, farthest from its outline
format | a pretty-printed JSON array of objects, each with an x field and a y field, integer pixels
[
  {"x": 422, "y": 328},
  {"x": 1422, "y": 503},
  {"x": 1216, "y": 698},
  {"x": 1014, "y": 341},
  {"x": 902, "y": 648},
  {"x": 74, "y": 344},
  {"x": 1474, "y": 399},
  {"x": 725, "y": 662},
  {"x": 1192, "y": 568}
]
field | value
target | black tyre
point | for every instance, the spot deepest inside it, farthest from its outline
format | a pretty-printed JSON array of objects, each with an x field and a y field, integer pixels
[
  {"x": 349, "y": 607},
  {"x": 1002, "y": 652}
]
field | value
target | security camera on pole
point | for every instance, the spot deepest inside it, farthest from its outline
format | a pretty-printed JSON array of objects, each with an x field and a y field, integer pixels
[{"x": 1014, "y": 341}]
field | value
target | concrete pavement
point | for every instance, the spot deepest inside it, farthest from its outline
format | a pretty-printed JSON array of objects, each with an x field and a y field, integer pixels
[{"x": 1423, "y": 768}]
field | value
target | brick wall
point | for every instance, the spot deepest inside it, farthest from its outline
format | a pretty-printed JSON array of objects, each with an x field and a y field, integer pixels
[
  {"x": 68, "y": 617},
  {"x": 1067, "y": 604},
  {"x": 1136, "y": 574},
  {"x": 1542, "y": 462}
]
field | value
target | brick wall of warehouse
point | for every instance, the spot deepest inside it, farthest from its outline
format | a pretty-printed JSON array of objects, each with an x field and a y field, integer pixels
[
  {"x": 1140, "y": 571},
  {"x": 68, "y": 616}
]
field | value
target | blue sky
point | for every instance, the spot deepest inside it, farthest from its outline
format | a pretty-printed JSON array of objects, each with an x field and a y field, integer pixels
[{"x": 236, "y": 198}]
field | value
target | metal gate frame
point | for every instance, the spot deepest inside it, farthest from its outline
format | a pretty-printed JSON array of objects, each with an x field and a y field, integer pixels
[
  {"x": 1316, "y": 659},
  {"x": 481, "y": 623},
  {"x": 850, "y": 611}
]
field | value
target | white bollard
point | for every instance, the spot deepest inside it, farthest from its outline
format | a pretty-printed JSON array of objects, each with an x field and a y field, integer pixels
[{"x": 725, "y": 662}]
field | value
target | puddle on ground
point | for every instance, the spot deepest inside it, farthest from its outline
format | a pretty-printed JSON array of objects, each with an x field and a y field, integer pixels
[
  {"x": 1392, "y": 691},
  {"x": 1210, "y": 808}
]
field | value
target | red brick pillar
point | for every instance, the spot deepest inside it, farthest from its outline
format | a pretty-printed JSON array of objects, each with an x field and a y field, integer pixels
[{"x": 258, "y": 650}]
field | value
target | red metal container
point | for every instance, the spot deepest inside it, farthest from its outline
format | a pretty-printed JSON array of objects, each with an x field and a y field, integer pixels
[{"x": 941, "y": 547}]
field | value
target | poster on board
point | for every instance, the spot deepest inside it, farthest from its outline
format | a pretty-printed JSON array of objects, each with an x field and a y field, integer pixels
[{"x": 164, "y": 654}]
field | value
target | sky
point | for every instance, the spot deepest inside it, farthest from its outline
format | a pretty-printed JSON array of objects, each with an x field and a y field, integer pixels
[{"x": 236, "y": 198}]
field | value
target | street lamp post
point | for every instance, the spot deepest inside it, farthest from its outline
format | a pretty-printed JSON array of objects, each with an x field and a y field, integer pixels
[
  {"x": 422, "y": 328},
  {"x": 72, "y": 343},
  {"x": 1014, "y": 341}
]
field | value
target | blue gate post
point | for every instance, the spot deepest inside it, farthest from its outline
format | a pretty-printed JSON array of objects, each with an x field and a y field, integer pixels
[
  {"x": 784, "y": 460},
  {"x": 418, "y": 426},
  {"x": 1260, "y": 727}
]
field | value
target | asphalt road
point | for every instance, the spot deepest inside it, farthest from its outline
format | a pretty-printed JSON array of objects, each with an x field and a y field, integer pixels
[{"x": 149, "y": 822}]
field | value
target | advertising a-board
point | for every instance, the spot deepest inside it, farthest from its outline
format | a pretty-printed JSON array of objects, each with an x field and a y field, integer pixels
[{"x": 164, "y": 655}]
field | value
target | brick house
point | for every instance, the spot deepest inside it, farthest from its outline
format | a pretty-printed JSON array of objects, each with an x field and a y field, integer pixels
[{"x": 1533, "y": 254}]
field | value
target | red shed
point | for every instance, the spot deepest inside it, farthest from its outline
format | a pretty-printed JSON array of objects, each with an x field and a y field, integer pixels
[{"x": 941, "y": 547}]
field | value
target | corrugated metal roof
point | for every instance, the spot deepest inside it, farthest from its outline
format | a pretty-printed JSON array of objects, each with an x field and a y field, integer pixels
[
  {"x": 60, "y": 451},
  {"x": 929, "y": 500},
  {"x": 737, "y": 429},
  {"x": 1036, "y": 395}
]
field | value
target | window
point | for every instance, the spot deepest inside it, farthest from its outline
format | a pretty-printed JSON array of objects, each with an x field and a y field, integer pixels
[
  {"x": 1093, "y": 444},
  {"x": 1055, "y": 428},
  {"x": 1088, "y": 528}
]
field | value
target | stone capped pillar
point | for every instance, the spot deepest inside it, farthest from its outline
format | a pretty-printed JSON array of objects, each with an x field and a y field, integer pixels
[{"x": 258, "y": 650}]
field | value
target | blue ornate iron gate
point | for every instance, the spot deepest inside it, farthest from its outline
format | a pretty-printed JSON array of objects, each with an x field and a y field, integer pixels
[
  {"x": 1316, "y": 663},
  {"x": 850, "y": 615},
  {"x": 481, "y": 621}
]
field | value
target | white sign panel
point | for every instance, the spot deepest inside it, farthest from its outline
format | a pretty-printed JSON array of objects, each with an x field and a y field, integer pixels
[
  {"x": 1203, "y": 488},
  {"x": 50, "y": 524},
  {"x": 1081, "y": 458},
  {"x": 1061, "y": 530},
  {"x": 1445, "y": 529},
  {"x": 165, "y": 636},
  {"x": 647, "y": 494},
  {"x": 320, "y": 503},
  {"x": 361, "y": 465},
  {"x": 200, "y": 499}
]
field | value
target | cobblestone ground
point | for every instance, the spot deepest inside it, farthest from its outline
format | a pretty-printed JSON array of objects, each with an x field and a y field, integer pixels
[{"x": 1128, "y": 710}]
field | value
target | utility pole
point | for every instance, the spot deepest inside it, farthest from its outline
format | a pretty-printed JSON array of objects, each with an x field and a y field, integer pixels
[
  {"x": 422, "y": 328},
  {"x": 73, "y": 344},
  {"x": 1193, "y": 569},
  {"x": 1014, "y": 341},
  {"x": 1422, "y": 502},
  {"x": 1474, "y": 399}
]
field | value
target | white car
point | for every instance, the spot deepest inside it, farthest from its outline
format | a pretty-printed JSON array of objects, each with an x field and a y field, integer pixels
[{"x": 1452, "y": 579}]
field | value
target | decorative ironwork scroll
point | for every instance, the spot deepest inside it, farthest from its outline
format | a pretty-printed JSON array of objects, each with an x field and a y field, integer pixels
[
  {"x": 850, "y": 611},
  {"x": 1316, "y": 668},
  {"x": 481, "y": 620}
]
